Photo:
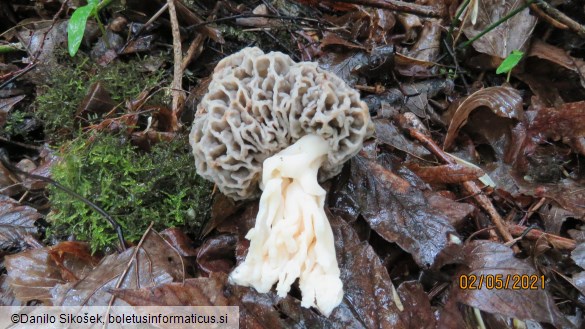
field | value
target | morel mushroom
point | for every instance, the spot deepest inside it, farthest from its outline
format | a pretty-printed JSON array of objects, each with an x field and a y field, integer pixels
[{"x": 266, "y": 119}]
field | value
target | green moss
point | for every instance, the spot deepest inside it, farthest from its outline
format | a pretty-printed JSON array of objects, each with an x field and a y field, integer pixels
[
  {"x": 134, "y": 187},
  {"x": 237, "y": 34},
  {"x": 14, "y": 123},
  {"x": 68, "y": 83}
]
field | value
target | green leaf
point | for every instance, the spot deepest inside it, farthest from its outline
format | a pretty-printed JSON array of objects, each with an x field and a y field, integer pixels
[
  {"x": 76, "y": 27},
  {"x": 510, "y": 62}
]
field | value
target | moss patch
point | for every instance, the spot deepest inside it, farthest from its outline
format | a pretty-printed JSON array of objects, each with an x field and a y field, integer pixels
[
  {"x": 134, "y": 187},
  {"x": 68, "y": 83}
]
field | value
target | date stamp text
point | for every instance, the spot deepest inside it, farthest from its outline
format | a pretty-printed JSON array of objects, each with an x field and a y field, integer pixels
[{"x": 501, "y": 281}]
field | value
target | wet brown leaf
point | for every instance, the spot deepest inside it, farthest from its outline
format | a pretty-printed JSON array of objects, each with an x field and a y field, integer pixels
[
  {"x": 95, "y": 104},
  {"x": 395, "y": 97},
  {"x": 446, "y": 174},
  {"x": 155, "y": 263},
  {"x": 456, "y": 212},
  {"x": 73, "y": 259},
  {"x": 180, "y": 241},
  {"x": 350, "y": 66},
  {"x": 417, "y": 306},
  {"x": 427, "y": 47},
  {"x": 388, "y": 133},
  {"x": 33, "y": 274},
  {"x": 366, "y": 283},
  {"x": 369, "y": 26},
  {"x": 512, "y": 34},
  {"x": 7, "y": 297},
  {"x": 193, "y": 292},
  {"x": 395, "y": 209},
  {"x": 485, "y": 258},
  {"x": 16, "y": 221},
  {"x": 503, "y": 101},
  {"x": 332, "y": 39},
  {"x": 217, "y": 254},
  {"x": 221, "y": 209},
  {"x": 558, "y": 56},
  {"x": 566, "y": 123}
]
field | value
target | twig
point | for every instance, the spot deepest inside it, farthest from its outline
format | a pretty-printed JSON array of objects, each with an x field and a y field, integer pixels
[
  {"x": 234, "y": 17},
  {"x": 531, "y": 210},
  {"x": 469, "y": 186},
  {"x": 401, "y": 6},
  {"x": 27, "y": 146},
  {"x": 195, "y": 49},
  {"x": 127, "y": 268},
  {"x": 564, "y": 19},
  {"x": 19, "y": 74},
  {"x": 134, "y": 36},
  {"x": 540, "y": 13},
  {"x": 534, "y": 234},
  {"x": 176, "y": 86}
]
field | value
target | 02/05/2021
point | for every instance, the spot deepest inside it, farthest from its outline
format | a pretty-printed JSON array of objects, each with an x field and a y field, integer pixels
[{"x": 501, "y": 281}]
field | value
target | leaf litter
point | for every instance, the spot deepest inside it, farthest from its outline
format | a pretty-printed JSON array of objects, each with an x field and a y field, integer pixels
[{"x": 406, "y": 232}]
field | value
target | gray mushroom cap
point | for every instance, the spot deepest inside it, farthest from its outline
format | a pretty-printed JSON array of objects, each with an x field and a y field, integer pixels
[{"x": 258, "y": 104}]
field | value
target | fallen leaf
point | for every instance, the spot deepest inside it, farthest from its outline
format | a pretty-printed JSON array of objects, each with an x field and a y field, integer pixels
[
  {"x": 73, "y": 259},
  {"x": 179, "y": 241},
  {"x": 512, "y": 34},
  {"x": 366, "y": 283},
  {"x": 505, "y": 102},
  {"x": 16, "y": 221},
  {"x": 417, "y": 306},
  {"x": 395, "y": 209},
  {"x": 558, "y": 56},
  {"x": 446, "y": 174},
  {"x": 456, "y": 212},
  {"x": 7, "y": 297},
  {"x": 427, "y": 47},
  {"x": 387, "y": 133},
  {"x": 192, "y": 292},
  {"x": 488, "y": 259},
  {"x": 95, "y": 104},
  {"x": 217, "y": 254},
  {"x": 566, "y": 123},
  {"x": 332, "y": 39},
  {"x": 33, "y": 274},
  {"x": 154, "y": 263}
]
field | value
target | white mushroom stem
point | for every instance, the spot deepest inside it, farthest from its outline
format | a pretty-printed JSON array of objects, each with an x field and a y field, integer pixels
[{"x": 292, "y": 237}]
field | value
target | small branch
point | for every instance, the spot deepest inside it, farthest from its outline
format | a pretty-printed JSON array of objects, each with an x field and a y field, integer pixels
[
  {"x": 401, "y": 6},
  {"x": 534, "y": 234},
  {"x": 540, "y": 13},
  {"x": 177, "y": 84},
  {"x": 562, "y": 18}
]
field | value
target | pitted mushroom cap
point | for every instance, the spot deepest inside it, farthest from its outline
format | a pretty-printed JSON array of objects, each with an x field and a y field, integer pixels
[{"x": 258, "y": 104}]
